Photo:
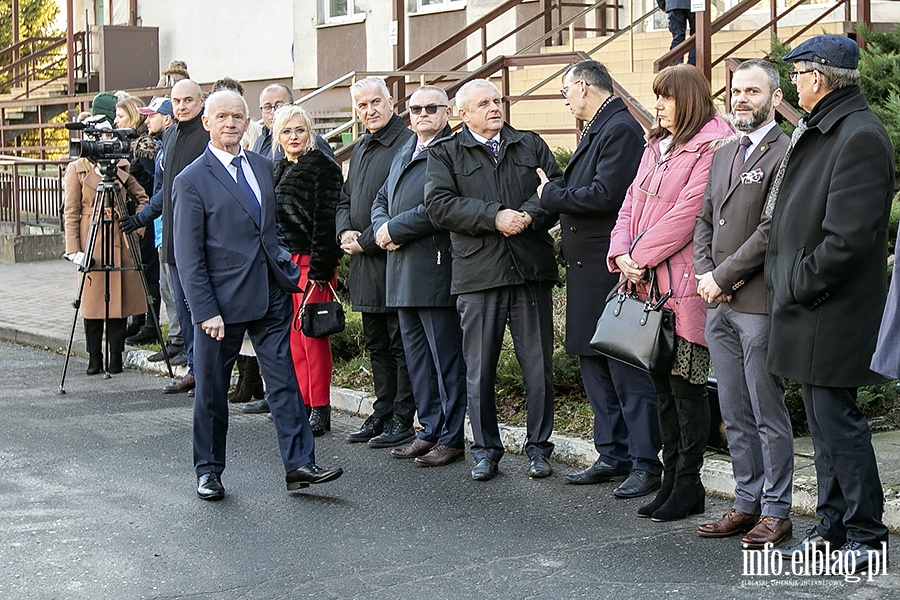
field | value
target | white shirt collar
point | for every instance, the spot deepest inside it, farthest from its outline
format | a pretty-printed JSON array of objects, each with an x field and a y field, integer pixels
[{"x": 482, "y": 140}]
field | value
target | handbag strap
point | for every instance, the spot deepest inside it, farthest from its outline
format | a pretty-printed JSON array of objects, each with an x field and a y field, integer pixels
[
  {"x": 306, "y": 290},
  {"x": 295, "y": 323}
]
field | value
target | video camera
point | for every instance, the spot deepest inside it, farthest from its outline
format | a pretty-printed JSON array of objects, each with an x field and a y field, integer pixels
[{"x": 91, "y": 146}]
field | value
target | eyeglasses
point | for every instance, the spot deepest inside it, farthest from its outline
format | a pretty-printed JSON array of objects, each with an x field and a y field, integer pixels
[
  {"x": 289, "y": 133},
  {"x": 793, "y": 75},
  {"x": 267, "y": 108},
  {"x": 564, "y": 91},
  {"x": 430, "y": 109}
]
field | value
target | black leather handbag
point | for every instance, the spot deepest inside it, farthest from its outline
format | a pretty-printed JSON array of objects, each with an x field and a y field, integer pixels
[
  {"x": 319, "y": 319},
  {"x": 637, "y": 332}
]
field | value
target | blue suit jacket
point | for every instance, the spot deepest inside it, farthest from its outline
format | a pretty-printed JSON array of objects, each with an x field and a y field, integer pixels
[{"x": 224, "y": 256}]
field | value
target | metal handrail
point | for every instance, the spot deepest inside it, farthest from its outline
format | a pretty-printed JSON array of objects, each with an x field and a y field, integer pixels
[{"x": 726, "y": 18}]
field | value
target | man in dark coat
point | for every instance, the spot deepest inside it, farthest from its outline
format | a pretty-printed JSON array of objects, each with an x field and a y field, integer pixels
[
  {"x": 626, "y": 426},
  {"x": 680, "y": 18},
  {"x": 826, "y": 271},
  {"x": 181, "y": 144},
  {"x": 729, "y": 250},
  {"x": 237, "y": 279},
  {"x": 481, "y": 187},
  {"x": 418, "y": 285},
  {"x": 391, "y": 421}
]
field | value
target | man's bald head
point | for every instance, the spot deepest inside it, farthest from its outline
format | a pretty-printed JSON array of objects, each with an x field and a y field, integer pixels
[{"x": 187, "y": 100}]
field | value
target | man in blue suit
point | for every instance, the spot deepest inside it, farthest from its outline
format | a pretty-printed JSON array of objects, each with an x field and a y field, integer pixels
[{"x": 237, "y": 278}]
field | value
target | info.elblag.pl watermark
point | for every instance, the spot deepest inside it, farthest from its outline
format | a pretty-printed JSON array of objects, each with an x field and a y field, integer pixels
[{"x": 814, "y": 561}]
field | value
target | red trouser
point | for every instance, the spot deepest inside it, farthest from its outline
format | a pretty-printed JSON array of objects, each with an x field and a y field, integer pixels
[{"x": 312, "y": 356}]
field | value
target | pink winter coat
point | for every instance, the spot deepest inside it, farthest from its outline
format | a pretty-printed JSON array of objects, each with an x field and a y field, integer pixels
[{"x": 663, "y": 202}]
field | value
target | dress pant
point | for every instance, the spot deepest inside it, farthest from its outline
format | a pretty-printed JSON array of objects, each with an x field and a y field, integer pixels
[
  {"x": 626, "y": 424},
  {"x": 212, "y": 370},
  {"x": 528, "y": 308},
  {"x": 679, "y": 20},
  {"x": 393, "y": 394},
  {"x": 184, "y": 316},
  {"x": 312, "y": 356},
  {"x": 165, "y": 291},
  {"x": 850, "y": 497},
  {"x": 757, "y": 424},
  {"x": 432, "y": 339}
]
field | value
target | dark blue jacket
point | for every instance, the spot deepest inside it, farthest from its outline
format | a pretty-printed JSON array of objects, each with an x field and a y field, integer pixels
[
  {"x": 226, "y": 260},
  {"x": 418, "y": 273}
]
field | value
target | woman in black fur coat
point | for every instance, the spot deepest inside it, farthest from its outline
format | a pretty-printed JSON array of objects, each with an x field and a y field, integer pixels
[{"x": 307, "y": 189}]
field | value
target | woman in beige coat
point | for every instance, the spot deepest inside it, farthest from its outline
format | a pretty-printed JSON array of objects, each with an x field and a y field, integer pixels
[{"x": 126, "y": 293}]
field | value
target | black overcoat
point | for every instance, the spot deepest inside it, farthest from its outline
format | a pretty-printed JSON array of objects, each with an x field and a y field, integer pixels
[
  {"x": 588, "y": 202},
  {"x": 466, "y": 187},
  {"x": 826, "y": 261},
  {"x": 370, "y": 163},
  {"x": 418, "y": 273}
]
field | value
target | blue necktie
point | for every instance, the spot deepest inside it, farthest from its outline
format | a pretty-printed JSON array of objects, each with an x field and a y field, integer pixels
[
  {"x": 249, "y": 196},
  {"x": 493, "y": 146}
]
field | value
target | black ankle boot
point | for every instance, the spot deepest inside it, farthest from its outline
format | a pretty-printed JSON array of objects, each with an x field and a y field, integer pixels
[
  {"x": 93, "y": 341},
  {"x": 95, "y": 364},
  {"x": 236, "y": 395},
  {"x": 115, "y": 337},
  {"x": 665, "y": 490},
  {"x": 137, "y": 321},
  {"x": 320, "y": 419},
  {"x": 687, "y": 498}
]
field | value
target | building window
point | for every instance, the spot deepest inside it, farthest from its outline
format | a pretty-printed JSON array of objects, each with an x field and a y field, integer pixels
[
  {"x": 339, "y": 11},
  {"x": 420, "y": 6}
]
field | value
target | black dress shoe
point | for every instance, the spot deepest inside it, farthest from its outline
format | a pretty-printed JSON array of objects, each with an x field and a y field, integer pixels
[
  {"x": 854, "y": 557},
  {"x": 260, "y": 407},
  {"x": 599, "y": 472},
  {"x": 372, "y": 427},
  {"x": 170, "y": 350},
  {"x": 310, "y": 473},
  {"x": 540, "y": 467},
  {"x": 209, "y": 486},
  {"x": 813, "y": 539},
  {"x": 484, "y": 469},
  {"x": 186, "y": 384},
  {"x": 639, "y": 483},
  {"x": 394, "y": 434},
  {"x": 144, "y": 336}
]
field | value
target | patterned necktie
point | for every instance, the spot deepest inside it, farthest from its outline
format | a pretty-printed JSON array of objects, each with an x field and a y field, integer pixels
[
  {"x": 249, "y": 196},
  {"x": 419, "y": 147},
  {"x": 769, "y": 208},
  {"x": 493, "y": 146},
  {"x": 739, "y": 157}
]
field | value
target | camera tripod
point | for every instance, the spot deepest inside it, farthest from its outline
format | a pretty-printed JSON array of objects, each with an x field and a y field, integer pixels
[{"x": 109, "y": 201}]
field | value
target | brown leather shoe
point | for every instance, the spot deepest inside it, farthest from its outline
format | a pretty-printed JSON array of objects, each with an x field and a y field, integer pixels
[
  {"x": 440, "y": 455},
  {"x": 768, "y": 530},
  {"x": 732, "y": 523},
  {"x": 416, "y": 448},
  {"x": 185, "y": 385}
]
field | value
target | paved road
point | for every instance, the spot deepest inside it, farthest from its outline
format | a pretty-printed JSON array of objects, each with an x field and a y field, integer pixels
[{"x": 97, "y": 501}]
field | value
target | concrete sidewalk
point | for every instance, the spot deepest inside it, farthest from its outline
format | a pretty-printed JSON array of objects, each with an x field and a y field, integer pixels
[{"x": 36, "y": 310}]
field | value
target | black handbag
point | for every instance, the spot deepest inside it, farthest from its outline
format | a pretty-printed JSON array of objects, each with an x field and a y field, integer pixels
[
  {"x": 637, "y": 332},
  {"x": 319, "y": 319}
]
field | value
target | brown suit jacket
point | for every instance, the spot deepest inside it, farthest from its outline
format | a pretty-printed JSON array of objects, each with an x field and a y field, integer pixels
[{"x": 731, "y": 234}]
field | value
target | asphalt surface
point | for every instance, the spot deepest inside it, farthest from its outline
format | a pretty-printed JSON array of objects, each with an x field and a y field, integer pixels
[{"x": 97, "y": 500}]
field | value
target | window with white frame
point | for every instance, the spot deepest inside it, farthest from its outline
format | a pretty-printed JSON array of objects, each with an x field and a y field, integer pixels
[
  {"x": 339, "y": 11},
  {"x": 420, "y": 6}
]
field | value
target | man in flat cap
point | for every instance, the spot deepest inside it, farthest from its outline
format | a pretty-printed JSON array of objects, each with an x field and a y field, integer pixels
[{"x": 826, "y": 270}]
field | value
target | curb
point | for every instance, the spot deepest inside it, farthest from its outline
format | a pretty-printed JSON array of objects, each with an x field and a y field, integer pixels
[{"x": 716, "y": 473}]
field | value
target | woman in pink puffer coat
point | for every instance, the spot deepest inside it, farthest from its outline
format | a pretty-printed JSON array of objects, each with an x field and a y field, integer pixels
[{"x": 655, "y": 230}]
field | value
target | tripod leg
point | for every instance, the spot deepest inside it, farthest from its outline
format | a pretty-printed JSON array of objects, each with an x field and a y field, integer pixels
[
  {"x": 132, "y": 244},
  {"x": 84, "y": 268}
]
